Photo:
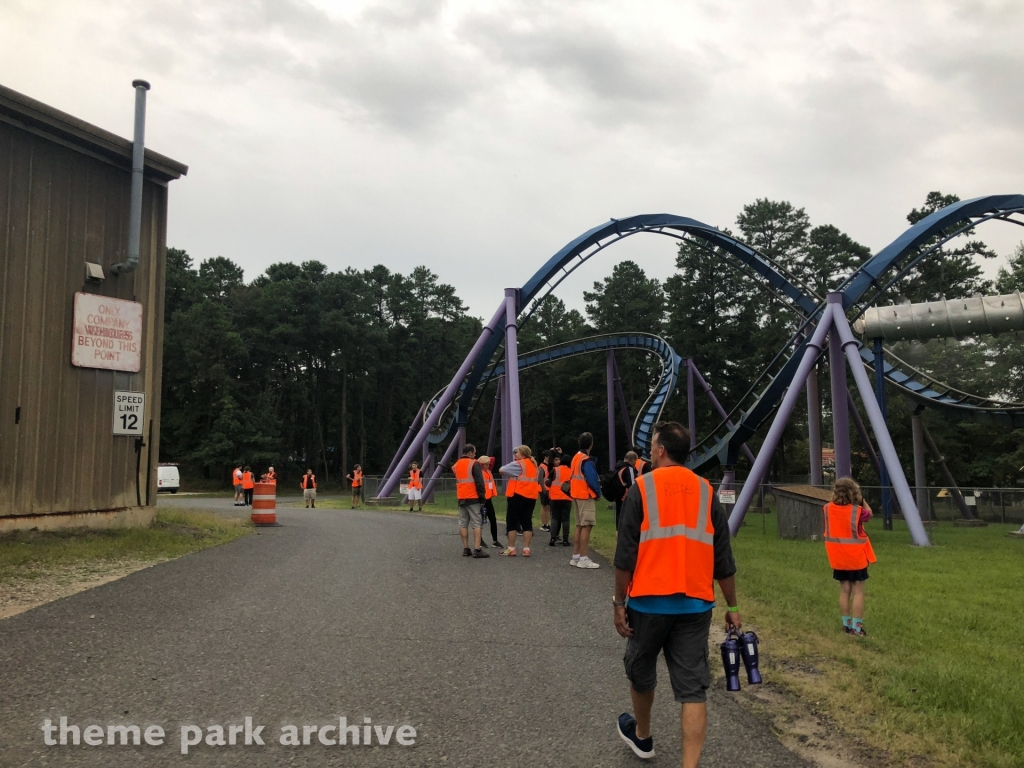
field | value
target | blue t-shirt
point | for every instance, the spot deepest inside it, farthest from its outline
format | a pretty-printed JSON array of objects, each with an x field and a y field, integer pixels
[{"x": 670, "y": 604}]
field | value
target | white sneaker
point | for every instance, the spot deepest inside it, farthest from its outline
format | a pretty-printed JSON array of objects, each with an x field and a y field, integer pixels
[
  {"x": 586, "y": 562},
  {"x": 574, "y": 561}
]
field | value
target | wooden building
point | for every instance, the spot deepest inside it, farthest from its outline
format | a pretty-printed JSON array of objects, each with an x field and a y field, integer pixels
[{"x": 64, "y": 211}]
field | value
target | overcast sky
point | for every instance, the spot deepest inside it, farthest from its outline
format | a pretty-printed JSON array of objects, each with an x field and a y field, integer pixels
[{"x": 479, "y": 137}]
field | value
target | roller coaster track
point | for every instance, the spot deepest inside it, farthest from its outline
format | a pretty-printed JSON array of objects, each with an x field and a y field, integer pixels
[
  {"x": 648, "y": 415},
  {"x": 866, "y": 286}
]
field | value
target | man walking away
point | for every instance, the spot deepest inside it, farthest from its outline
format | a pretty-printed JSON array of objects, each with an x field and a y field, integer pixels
[
  {"x": 641, "y": 464},
  {"x": 356, "y": 478},
  {"x": 309, "y": 488},
  {"x": 470, "y": 492},
  {"x": 585, "y": 489},
  {"x": 236, "y": 478},
  {"x": 491, "y": 491},
  {"x": 561, "y": 502},
  {"x": 248, "y": 484},
  {"x": 673, "y": 544}
]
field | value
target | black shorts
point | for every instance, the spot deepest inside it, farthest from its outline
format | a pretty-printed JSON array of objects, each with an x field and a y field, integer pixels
[
  {"x": 859, "y": 575},
  {"x": 684, "y": 639},
  {"x": 519, "y": 513},
  {"x": 545, "y": 498}
]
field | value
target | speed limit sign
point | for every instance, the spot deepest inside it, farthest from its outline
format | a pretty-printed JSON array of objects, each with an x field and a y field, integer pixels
[{"x": 129, "y": 413}]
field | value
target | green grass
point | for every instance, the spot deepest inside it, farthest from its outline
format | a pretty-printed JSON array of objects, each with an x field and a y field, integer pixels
[
  {"x": 172, "y": 534},
  {"x": 939, "y": 674}
]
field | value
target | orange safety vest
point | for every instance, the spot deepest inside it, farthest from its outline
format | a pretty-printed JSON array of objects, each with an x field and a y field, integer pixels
[
  {"x": 677, "y": 538},
  {"x": 308, "y": 481},
  {"x": 271, "y": 477},
  {"x": 414, "y": 479},
  {"x": 490, "y": 486},
  {"x": 247, "y": 480},
  {"x": 562, "y": 474},
  {"x": 847, "y": 548},
  {"x": 526, "y": 484},
  {"x": 465, "y": 485},
  {"x": 638, "y": 465},
  {"x": 357, "y": 478},
  {"x": 579, "y": 489},
  {"x": 238, "y": 476}
]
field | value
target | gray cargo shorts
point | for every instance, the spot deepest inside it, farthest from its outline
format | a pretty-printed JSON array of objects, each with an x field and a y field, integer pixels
[
  {"x": 469, "y": 516},
  {"x": 684, "y": 639}
]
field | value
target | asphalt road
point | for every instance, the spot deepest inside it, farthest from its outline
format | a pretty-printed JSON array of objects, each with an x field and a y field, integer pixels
[{"x": 499, "y": 662}]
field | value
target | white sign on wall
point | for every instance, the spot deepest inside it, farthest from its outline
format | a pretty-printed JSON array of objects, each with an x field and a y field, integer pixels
[
  {"x": 129, "y": 413},
  {"x": 107, "y": 333},
  {"x": 727, "y": 497}
]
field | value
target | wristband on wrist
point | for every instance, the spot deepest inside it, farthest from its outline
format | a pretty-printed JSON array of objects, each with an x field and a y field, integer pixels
[
  {"x": 734, "y": 609},
  {"x": 618, "y": 603}
]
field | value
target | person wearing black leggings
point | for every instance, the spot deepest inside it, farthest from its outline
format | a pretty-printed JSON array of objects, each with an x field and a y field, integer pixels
[{"x": 488, "y": 506}]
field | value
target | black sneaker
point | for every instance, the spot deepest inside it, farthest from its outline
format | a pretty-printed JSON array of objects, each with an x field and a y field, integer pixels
[
  {"x": 479, "y": 553},
  {"x": 643, "y": 748},
  {"x": 467, "y": 552},
  {"x": 553, "y": 542},
  {"x": 566, "y": 543},
  {"x": 496, "y": 545},
  {"x": 546, "y": 528}
]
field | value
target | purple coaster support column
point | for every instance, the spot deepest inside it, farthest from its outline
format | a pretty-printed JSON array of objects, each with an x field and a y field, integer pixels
[
  {"x": 728, "y": 481},
  {"x": 506, "y": 433},
  {"x": 446, "y": 461},
  {"x": 462, "y": 440},
  {"x": 706, "y": 389},
  {"x": 449, "y": 394},
  {"x": 405, "y": 443},
  {"x": 627, "y": 428},
  {"x": 771, "y": 440},
  {"x": 840, "y": 414},
  {"x": 885, "y": 446},
  {"x": 512, "y": 365},
  {"x": 862, "y": 432},
  {"x": 920, "y": 467},
  {"x": 495, "y": 416},
  {"x": 427, "y": 468},
  {"x": 609, "y": 376},
  {"x": 691, "y": 406},
  {"x": 814, "y": 427}
]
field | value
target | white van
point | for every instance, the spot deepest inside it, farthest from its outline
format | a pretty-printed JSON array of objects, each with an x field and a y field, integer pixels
[{"x": 167, "y": 478}]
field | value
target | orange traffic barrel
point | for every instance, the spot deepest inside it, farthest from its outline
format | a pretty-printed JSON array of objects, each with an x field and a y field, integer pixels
[{"x": 264, "y": 504}]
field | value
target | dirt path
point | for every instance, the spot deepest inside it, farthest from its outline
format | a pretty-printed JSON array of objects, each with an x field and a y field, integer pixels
[{"x": 21, "y": 594}]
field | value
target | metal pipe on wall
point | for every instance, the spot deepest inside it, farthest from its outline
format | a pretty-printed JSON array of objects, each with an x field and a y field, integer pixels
[{"x": 138, "y": 176}]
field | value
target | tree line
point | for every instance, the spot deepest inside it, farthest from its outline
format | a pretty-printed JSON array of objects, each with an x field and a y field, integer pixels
[{"x": 306, "y": 367}]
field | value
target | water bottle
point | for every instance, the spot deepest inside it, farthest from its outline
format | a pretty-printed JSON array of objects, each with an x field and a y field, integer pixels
[
  {"x": 731, "y": 660},
  {"x": 748, "y": 649}
]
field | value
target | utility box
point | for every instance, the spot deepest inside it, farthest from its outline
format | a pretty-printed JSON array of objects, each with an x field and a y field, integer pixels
[
  {"x": 800, "y": 513},
  {"x": 65, "y": 187}
]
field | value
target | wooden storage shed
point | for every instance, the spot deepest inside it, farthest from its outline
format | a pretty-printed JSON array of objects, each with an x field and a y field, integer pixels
[{"x": 64, "y": 204}]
